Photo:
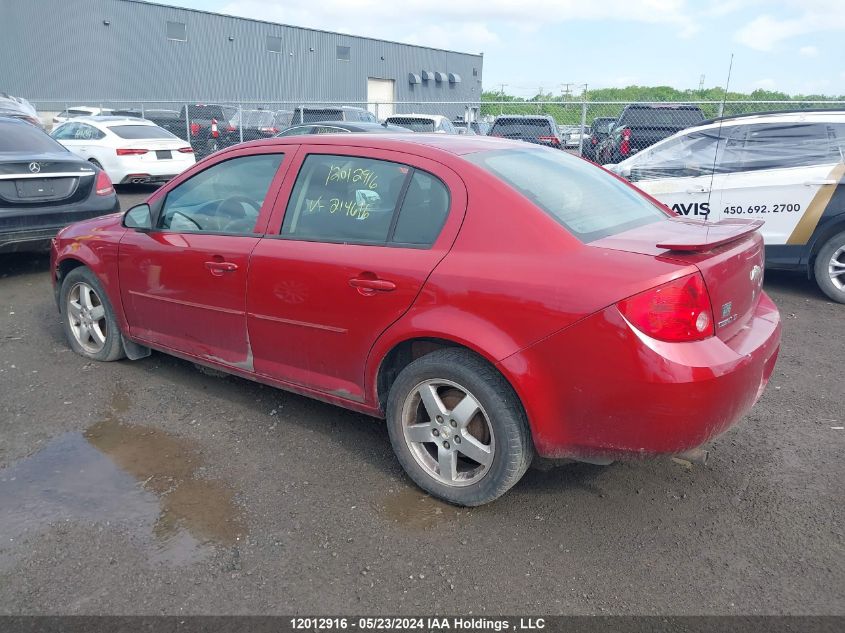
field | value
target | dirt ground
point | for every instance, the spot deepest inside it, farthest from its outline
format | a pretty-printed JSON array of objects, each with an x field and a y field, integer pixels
[{"x": 149, "y": 487}]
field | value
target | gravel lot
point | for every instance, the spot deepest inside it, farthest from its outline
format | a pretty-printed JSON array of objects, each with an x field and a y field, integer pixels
[{"x": 149, "y": 487}]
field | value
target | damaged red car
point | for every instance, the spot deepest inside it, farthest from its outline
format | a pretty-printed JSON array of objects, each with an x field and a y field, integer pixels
[{"x": 492, "y": 300}]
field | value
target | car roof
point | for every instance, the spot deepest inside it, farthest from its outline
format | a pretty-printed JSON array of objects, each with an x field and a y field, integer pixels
[
  {"x": 419, "y": 143},
  {"x": 109, "y": 120},
  {"x": 349, "y": 125},
  {"x": 415, "y": 115},
  {"x": 524, "y": 116},
  {"x": 797, "y": 116},
  {"x": 776, "y": 113}
]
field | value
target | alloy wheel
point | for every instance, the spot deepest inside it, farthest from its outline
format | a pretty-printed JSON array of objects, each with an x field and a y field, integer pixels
[
  {"x": 836, "y": 268},
  {"x": 86, "y": 315},
  {"x": 448, "y": 432}
]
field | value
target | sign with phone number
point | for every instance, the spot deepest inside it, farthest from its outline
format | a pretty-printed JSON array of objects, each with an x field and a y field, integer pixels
[{"x": 792, "y": 207}]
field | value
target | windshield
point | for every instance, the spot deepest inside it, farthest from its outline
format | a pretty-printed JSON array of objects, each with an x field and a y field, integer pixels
[
  {"x": 584, "y": 199},
  {"x": 140, "y": 131},
  {"x": 655, "y": 117},
  {"x": 23, "y": 137},
  {"x": 413, "y": 123}
]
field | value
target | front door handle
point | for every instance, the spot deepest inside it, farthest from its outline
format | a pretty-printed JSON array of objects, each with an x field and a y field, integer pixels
[
  {"x": 368, "y": 286},
  {"x": 219, "y": 268},
  {"x": 813, "y": 183}
]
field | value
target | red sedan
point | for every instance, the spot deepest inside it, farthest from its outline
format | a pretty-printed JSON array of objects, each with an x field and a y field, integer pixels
[{"x": 490, "y": 299}]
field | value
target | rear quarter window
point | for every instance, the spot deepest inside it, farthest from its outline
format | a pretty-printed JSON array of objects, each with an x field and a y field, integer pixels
[{"x": 584, "y": 199}]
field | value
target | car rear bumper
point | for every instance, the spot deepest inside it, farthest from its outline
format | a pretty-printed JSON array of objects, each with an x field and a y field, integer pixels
[
  {"x": 601, "y": 389},
  {"x": 31, "y": 229}
]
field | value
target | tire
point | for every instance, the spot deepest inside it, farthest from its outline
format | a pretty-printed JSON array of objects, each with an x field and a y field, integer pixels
[
  {"x": 829, "y": 268},
  {"x": 82, "y": 300},
  {"x": 491, "y": 425}
]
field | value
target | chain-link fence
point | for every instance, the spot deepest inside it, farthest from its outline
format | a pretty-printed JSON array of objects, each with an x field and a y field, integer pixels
[{"x": 600, "y": 130}]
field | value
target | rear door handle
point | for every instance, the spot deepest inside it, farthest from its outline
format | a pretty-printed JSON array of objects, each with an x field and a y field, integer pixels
[
  {"x": 218, "y": 268},
  {"x": 364, "y": 284}
]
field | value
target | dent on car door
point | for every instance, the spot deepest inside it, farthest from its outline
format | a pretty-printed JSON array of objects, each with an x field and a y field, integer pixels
[
  {"x": 183, "y": 283},
  {"x": 785, "y": 174},
  {"x": 343, "y": 259}
]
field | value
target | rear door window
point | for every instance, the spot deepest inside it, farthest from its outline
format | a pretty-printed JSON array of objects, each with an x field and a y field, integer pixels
[
  {"x": 581, "y": 197},
  {"x": 344, "y": 199},
  {"x": 784, "y": 145}
]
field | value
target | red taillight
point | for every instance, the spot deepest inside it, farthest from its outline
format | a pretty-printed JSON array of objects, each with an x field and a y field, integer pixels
[
  {"x": 185, "y": 150},
  {"x": 195, "y": 129},
  {"x": 214, "y": 131},
  {"x": 678, "y": 311},
  {"x": 231, "y": 128},
  {"x": 625, "y": 144},
  {"x": 554, "y": 140},
  {"x": 103, "y": 185},
  {"x": 268, "y": 130},
  {"x": 131, "y": 152},
  {"x": 594, "y": 140}
]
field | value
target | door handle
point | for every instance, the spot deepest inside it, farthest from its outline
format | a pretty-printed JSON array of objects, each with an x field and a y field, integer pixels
[
  {"x": 697, "y": 189},
  {"x": 370, "y": 286},
  {"x": 218, "y": 268},
  {"x": 811, "y": 183}
]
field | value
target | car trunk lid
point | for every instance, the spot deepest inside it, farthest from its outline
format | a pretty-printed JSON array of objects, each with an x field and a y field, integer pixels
[
  {"x": 41, "y": 183},
  {"x": 729, "y": 255}
]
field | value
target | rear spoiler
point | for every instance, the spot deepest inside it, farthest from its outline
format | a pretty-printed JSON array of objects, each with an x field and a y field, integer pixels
[{"x": 696, "y": 236}]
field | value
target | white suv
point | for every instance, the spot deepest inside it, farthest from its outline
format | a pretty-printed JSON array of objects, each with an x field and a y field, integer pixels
[
  {"x": 423, "y": 123},
  {"x": 786, "y": 168}
]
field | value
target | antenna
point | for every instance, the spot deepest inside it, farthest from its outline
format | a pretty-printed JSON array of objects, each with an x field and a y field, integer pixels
[{"x": 719, "y": 132}]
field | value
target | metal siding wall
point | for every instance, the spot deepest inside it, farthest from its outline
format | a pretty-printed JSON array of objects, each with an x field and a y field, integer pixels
[{"x": 60, "y": 49}]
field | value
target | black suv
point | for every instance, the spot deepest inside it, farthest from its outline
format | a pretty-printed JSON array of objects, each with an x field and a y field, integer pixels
[
  {"x": 315, "y": 114},
  {"x": 208, "y": 128},
  {"x": 533, "y": 128},
  {"x": 641, "y": 125}
]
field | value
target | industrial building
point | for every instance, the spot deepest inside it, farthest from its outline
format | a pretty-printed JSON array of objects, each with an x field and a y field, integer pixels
[{"x": 95, "y": 51}]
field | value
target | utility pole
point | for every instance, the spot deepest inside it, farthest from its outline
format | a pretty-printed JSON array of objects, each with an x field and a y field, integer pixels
[
  {"x": 566, "y": 89},
  {"x": 502, "y": 97},
  {"x": 701, "y": 85}
]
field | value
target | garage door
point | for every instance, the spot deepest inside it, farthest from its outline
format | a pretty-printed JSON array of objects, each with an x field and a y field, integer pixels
[{"x": 380, "y": 91}]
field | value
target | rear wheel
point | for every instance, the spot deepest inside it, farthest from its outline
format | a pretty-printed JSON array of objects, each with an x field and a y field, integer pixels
[
  {"x": 457, "y": 428},
  {"x": 87, "y": 317},
  {"x": 830, "y": 268}
]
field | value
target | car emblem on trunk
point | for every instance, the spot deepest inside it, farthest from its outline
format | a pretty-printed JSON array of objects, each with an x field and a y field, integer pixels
[
  {"x": 726, "y": 309},
  {"x": 756, "y": 274},
  {"x": 35, "y": 167}
]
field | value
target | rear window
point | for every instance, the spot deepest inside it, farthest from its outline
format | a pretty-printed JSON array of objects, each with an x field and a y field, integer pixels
[
  {"x": 211, "y": 112},
  {"x": 675, "y": 117},
  {"x": 23, "y": 137},
  {"x": 140, "y": 131},
  {"x": 521, "y": 128},
  {"x": 315, "y": 115},
  {"x": 583, "y": 198},
  {"x": 413, "y": 123}
]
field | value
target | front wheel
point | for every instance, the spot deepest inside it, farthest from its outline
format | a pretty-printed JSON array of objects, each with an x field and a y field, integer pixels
[
  {"x": 87, "y": 317},
  {"x": 458, "y": 428},
  {"x": 830, "y": 268}
]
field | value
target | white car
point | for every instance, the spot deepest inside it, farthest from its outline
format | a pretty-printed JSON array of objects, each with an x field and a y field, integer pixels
[
  {"x": 423, "y": 123},
  {"x": 787, "y": 169},
  {"x": 129, "y": 150}
]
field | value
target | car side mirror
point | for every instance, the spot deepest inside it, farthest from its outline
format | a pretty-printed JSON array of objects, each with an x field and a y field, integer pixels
[{"x": 138, "y": 217}]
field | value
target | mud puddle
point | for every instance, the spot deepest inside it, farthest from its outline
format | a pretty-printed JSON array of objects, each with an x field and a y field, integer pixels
[
  {"x": 139, "y": 479},
  {"x": 415, "y": 510}
]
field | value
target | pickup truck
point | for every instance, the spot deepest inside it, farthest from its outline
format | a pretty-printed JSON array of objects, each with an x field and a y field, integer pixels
[
  {"x": 642, "y": 125},
  {"x": 209, "y": 127}
]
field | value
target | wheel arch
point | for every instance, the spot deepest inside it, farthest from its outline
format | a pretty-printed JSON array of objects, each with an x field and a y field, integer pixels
[
  {"x": 402, "y": 353},
  {"x": 820, "y": 238}
]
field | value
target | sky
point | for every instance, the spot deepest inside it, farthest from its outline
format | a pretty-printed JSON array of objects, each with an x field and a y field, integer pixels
[{"x": 795, "y": 46}]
